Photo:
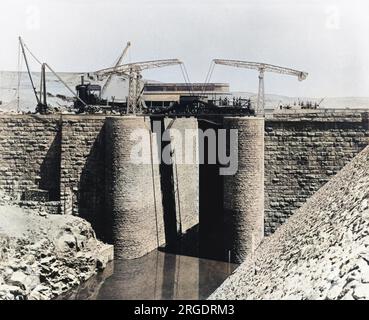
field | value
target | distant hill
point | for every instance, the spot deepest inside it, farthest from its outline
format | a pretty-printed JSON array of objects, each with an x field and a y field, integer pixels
[
  {"x": 58, "y": 94},
  {"x": 273, "y": 100}
]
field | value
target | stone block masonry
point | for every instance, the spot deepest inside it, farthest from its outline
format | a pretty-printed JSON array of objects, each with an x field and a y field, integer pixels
[
  {"x": 62, "y": 159},
  {"x": 29, "y": 155},
  {"x": 133, "y": 195},
  {"x": 244, "y": 191},
  {"x": 82, "y": 169},
  {"x": 65, "y": 156},
  {"x": 302, "y": 152},
  {"x": 320, "y": 253}
]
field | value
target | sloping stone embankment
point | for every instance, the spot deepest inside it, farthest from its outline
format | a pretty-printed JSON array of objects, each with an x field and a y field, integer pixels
[
  {"x": 322, "y": 252},
  {"x": 43, "y": 256}
]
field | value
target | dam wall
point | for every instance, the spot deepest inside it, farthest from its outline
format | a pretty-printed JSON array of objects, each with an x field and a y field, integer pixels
[
  {"x": 58, "y": 163},
  {"x": 29, "y": 155},
  {"x": 302, "y": 152},
  {"x": 82, "y": 168},
  {"x": 61, "y": 165}
]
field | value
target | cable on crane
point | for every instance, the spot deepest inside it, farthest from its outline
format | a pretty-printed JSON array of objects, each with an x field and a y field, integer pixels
[
  {"x": 153, "y": 187},
  {"x": 30, "y": 52},
  {"x": 23, "y": 45},
  {"x": 184, "y": 74},
  {"x": 178, "y": 194},
  {"x": 186, "y": 78},
  {"x": 65, "y": 84},
  {"x": 19, "y": 74},
  {"x": 14, "y": 78},
  {"x": 208, "y": 77},
  {"x": 29, "y": 70},
  {"x": 133, "y": 71},
  {"x": 262, "y": 68}
]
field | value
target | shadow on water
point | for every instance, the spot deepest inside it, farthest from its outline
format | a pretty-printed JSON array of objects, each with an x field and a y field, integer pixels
[
  {"x": 163, "y": 274},
  {"x": 156, "y": 276}
]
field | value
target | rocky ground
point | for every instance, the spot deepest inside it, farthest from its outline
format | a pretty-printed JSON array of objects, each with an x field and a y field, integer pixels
[
  {"x": 43, "y": 256},
  {"x": 322, "y": 252}
]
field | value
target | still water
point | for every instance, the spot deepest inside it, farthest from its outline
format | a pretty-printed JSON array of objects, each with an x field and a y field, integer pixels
[{"x": 156, "y": 276}]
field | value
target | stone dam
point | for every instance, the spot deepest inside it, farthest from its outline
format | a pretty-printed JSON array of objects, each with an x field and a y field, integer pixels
[{"x": 80, "y": 165}]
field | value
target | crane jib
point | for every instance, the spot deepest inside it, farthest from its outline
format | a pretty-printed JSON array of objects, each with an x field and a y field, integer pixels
[
  {"x": 265, "y": 67},
  {"x": 262, "y": 68},
  {"x": 138, "y": 67}
]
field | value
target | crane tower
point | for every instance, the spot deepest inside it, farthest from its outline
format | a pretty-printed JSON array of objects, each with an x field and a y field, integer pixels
[
  {"x": 133, "y": 72},
  {"x": 262, "y": 68}
]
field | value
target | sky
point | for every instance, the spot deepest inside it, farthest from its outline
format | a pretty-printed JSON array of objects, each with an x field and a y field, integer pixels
[{"x": 328, "y": 39}]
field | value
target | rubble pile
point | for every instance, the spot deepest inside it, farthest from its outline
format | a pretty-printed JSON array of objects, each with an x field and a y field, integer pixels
[{"x": 43, "y": 256}]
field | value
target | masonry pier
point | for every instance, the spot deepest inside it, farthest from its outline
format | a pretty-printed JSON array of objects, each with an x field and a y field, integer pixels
[
  {"x": 244, "y": 191},
  {"x": 134, "y": 210},
  {"x": 79, "y": 164}
]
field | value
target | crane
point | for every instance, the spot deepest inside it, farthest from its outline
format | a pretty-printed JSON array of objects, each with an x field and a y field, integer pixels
[
  {"x": 262, "y": 68},
  {"x": 120, "y": 59},
  {"x": 133, "y": 72},
  {"x": 23, "y": 46},
  {"x": 41, "y": 100}
]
